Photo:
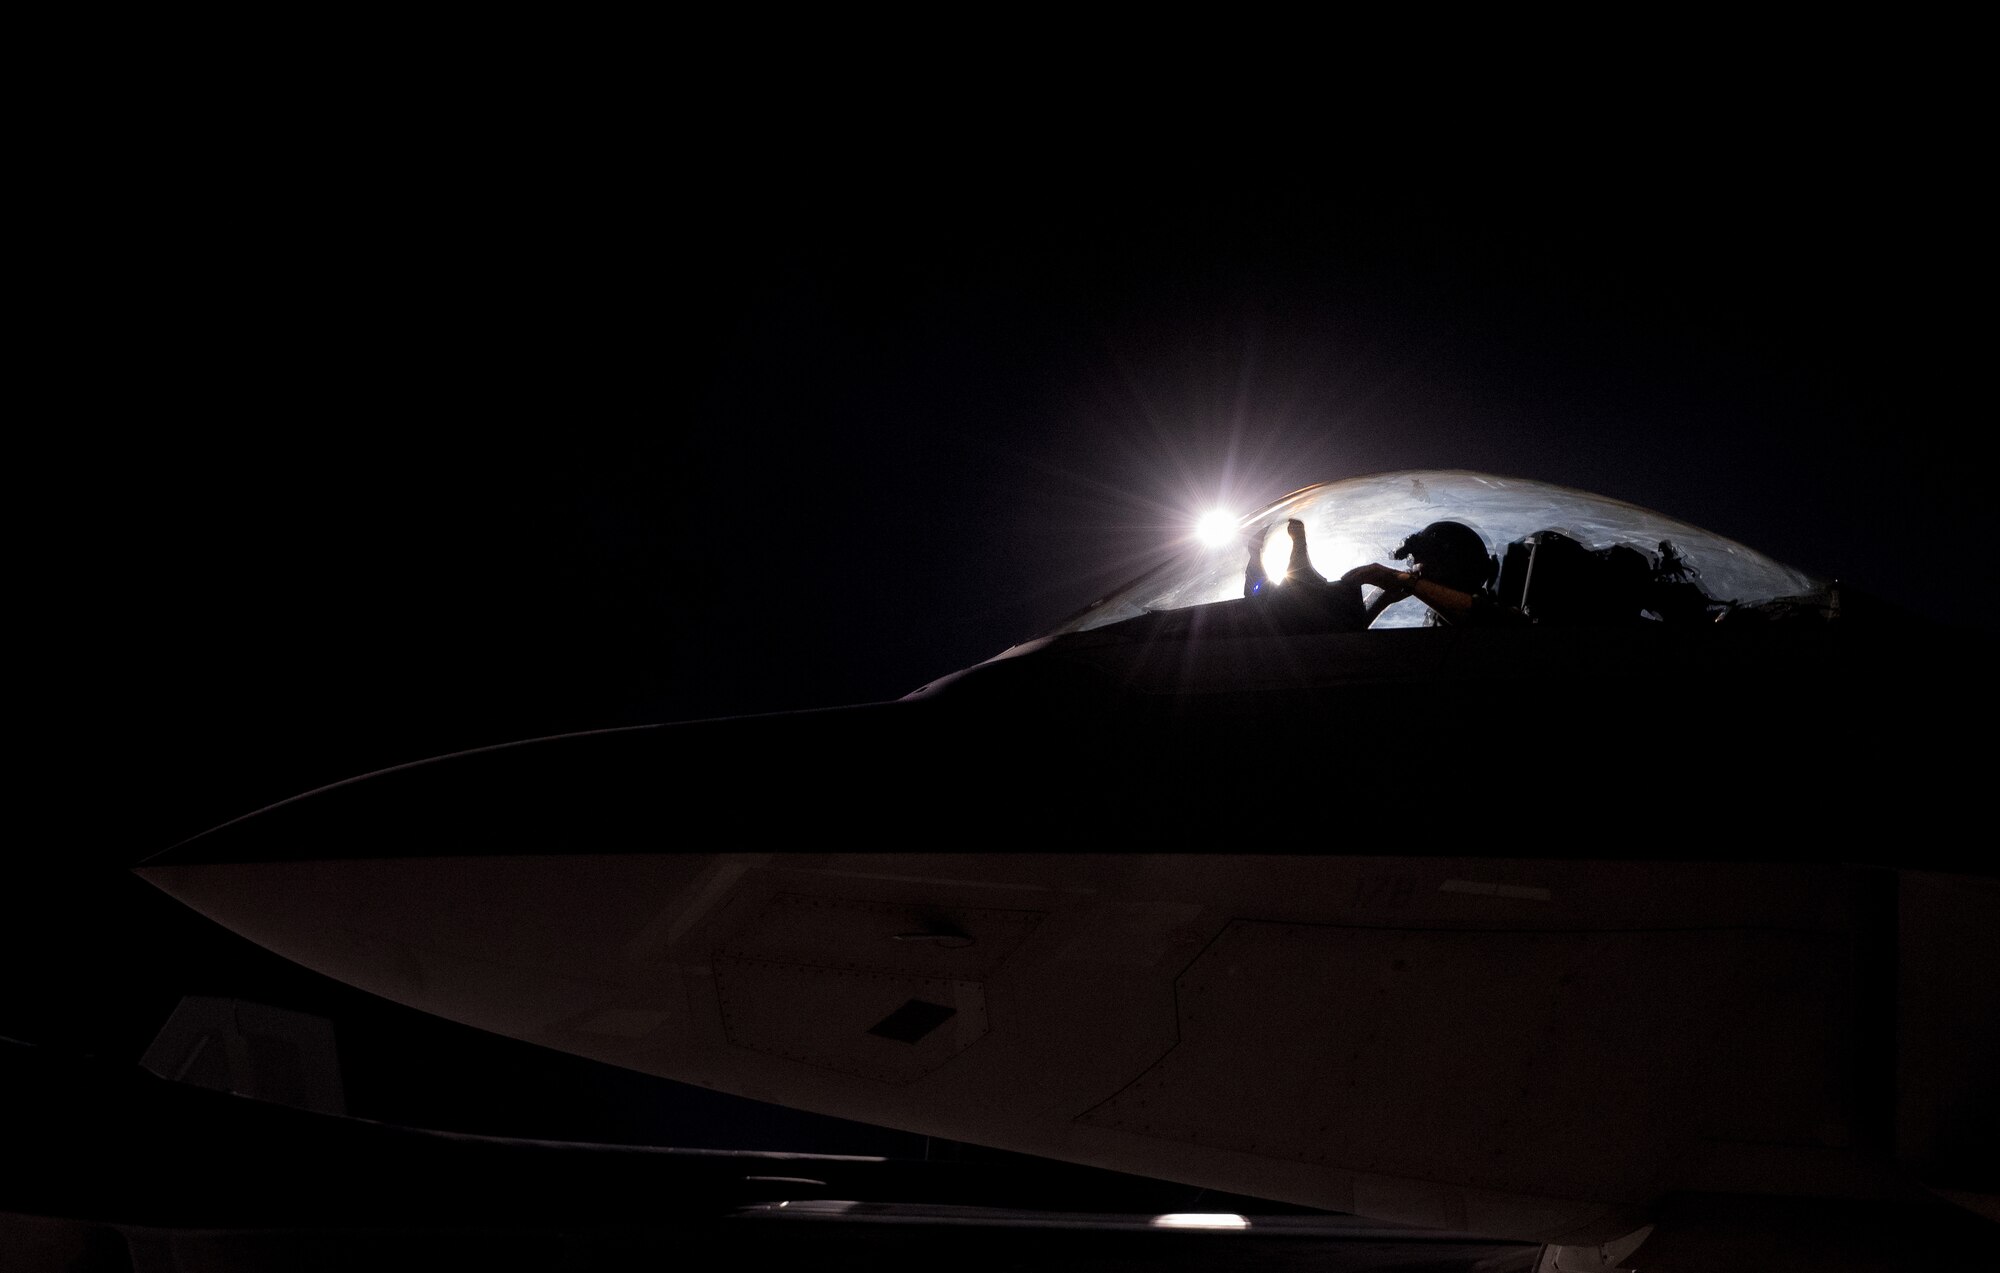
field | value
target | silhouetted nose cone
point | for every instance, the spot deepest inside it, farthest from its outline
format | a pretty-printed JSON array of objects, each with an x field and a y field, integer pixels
[
  {"x": 495, "y": 887},
  {"x": 601, "y": 791},
  {"x": 634, "y": 790}
]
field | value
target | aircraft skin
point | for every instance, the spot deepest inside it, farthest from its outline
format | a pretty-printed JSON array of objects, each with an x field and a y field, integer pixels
[
  {"x": 122, "y": 1169},
  {"x": 1539, "y": 934},
  {"x": 1536, "y": 932}
]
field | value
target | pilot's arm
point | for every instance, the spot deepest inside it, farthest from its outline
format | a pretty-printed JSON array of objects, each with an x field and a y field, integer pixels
[{"x": 1397, "y": 584}]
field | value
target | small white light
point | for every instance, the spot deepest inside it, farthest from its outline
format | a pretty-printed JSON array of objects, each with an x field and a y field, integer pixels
[
  {"x": 1216, "y": 529},
  {"x": 1200, "y": 1220}
]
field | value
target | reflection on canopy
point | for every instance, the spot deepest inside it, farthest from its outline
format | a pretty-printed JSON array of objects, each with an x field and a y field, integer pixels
[{"x": 1364, "y": 519}]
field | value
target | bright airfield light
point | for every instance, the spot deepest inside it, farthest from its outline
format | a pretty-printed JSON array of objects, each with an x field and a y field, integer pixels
[
  {"x": 1200, "y": 1220},
  {"x": 1216, "y": 529}
]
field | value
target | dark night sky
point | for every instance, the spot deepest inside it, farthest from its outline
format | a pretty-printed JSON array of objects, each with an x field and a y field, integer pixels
[{"x": 386, "y": 452}]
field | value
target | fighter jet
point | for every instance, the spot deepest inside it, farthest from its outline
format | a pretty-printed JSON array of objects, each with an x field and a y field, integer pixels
[{"x": 1635, "y": 925}]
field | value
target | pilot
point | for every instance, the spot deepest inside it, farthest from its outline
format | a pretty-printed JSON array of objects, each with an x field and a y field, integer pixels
[{"x": 1450, "y": 571}]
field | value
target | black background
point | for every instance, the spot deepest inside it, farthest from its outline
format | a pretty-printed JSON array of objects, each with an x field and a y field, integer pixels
[{"x": 378, "y": 429}]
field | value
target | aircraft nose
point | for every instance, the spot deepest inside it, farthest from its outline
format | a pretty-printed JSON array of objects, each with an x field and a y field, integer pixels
[
  {"x": 490, "y": 887},
  {"x": 548, "y": 795},
  {"x": 352, "y": 878},
  {"x": 630, "y": 790}
]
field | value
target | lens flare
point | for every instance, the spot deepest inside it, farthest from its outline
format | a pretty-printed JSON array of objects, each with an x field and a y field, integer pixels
[
  {"x": 1216, "y": 528},
  {"x": 1277, "y": 554}
]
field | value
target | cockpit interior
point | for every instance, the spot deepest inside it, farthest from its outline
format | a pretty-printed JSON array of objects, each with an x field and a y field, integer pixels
[{"x": 1557, "y": 556}]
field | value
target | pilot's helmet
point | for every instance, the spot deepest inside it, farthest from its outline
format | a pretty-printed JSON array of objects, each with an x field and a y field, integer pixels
[{"x": 1453, "y": 554}]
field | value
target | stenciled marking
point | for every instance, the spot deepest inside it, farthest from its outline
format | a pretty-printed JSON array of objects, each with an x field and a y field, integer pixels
[
  {"x": 1384, "y": 890},
  {"x": 1488, "y": 888}
]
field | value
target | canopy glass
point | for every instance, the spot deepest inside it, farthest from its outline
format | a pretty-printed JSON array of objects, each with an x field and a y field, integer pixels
[{"x": 1365, "y": 519}]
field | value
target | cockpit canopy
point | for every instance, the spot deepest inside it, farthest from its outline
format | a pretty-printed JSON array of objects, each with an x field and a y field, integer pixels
[{"x": 1365, "y": 519}]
